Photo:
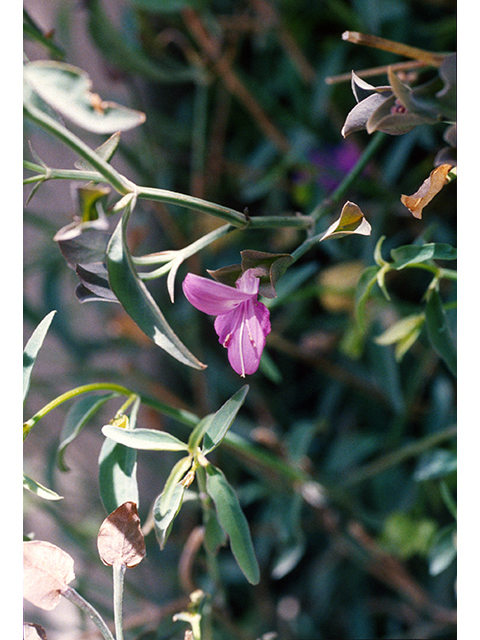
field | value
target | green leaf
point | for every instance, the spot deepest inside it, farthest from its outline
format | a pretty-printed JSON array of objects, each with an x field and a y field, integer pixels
[
  {"x": 117, "y": 469},
  {"x": 106, "y": 151},
  {"x": 443, "y": 550},
  {"x": 217, "y": 427},
  {"x": 67, "y": 89},
  {"x": 146, "y": 439},
  {"x": 39, "y": 490},
  {"x": 439, "y": 332},
  {"x": 233, "y": 522},
  {"x": 403, "y": 334},
  {"x": 176, "y": 475},
  {"x": 413, "y": 254},
  {"x": 77, "y": 417},
  {"x": 165, "y": 512},
  {"x": 32, "y": 348},
  {"x": 435, "y": 464},
  {"x": 365, "y": 284},
  {"x": 167, "y": 6},
  {"x": 137, "y": 301}
]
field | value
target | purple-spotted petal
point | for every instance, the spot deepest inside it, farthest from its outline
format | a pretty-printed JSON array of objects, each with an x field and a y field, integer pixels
[
  {"x": 243, "y": 332},
  {"x": 211, "y": 297}
]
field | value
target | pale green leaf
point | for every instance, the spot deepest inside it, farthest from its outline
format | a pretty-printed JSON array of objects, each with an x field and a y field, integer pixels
[
  {"x": 32, "y": 348},
  {"x": 146, "y": 439},
  {"x": 67, "y": 89},
  {"x": 39, "y": 490},
  {"x": 137, "y": 301},
  {"x": 233, "y": 522}
]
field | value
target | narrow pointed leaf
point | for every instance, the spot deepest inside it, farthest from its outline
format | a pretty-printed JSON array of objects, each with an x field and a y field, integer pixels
[
  {"x": 413, "y": 254},
  {"x": 138, "y": 302},
  {"x": 32, "y": 348},
  {"x": 77, "y": 417},
  {"x": 120, "y": 538},
  {"x": 117, "y": 470},
  {"x": 146, "y": 439},
  {"x": 105, "y": 151},
  {"x": 439, "y": 332},
  {"x": 39, "y": 490},
  {"x": 233, "y": 522},
  {"x": 165, "y": 511},
  {"x": 223, "y": 419}
]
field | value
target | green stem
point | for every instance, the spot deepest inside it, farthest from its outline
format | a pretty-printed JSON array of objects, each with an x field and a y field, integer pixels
[
  {"x": 68, "y": 395},
  {"x": 398, "y": 456},
  {"x": 326, "y": 205},
  {"x": 235, "y": 218},
  {"x": 87, "y": 608},
  {"x": 111, "y": 175},
  {"x": 118, "y": 584}
]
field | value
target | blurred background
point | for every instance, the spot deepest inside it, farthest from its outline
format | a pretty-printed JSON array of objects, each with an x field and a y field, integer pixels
[{"x": 240, "y": 111}]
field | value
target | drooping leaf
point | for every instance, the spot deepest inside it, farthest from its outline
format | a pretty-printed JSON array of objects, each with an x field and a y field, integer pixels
[
  {"x": 222, "y": 420},
  {"x": 176, "y": 475},
  {"x": 47, "y": 571},
  {"x": 233, "y": 522},
  {"x": 120, "y": 539},
  {"x": 351, "y": 221},
  {"x": 138, "y": 302},
  {"x": 117, "y": 469},
  {"x": 67, "y": 89},
  {"x": 435, "y": 464},
  {"x": 77, "y": 417},
  {"x": 94, "y": 285},
  {"x": 414, "y": 254},
  {"x": 32, "y": 348},
  {"x": 439, "y": 332},
  {"x": 146, "y": 439},
  {"x": 166, "y": 510},
  {"x": 365, "y": 284},
  {"x": 403, "y": 334},
  {"x": 83, "y": 243},
  {"x": 437, "y": 179},
  {"x": 39, "y": 490},
  {"x": 443, "y": 550}
]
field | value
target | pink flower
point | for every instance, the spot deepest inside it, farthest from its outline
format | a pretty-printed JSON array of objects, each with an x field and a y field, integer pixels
[{"x": 242, "y": 322}]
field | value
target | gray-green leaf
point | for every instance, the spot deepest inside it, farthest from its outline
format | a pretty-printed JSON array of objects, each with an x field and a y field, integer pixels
[
  {"x": 146, "y": 439},
  {"x": 32, "y": 348},
  {"x": 233, "y": 522}
]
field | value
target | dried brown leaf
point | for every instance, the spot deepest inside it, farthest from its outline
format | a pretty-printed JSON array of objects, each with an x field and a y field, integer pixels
[
  {"x": 120, "y": 539},
  {"x": 437, "y": 179},
  {"x": 47, "y": 570},
  {"x": 351, "y": 221},
  {"x": 32, "y": 631}
]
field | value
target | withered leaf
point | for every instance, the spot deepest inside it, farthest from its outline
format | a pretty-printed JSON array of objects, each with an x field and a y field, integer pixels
[
  {"x": 32, "y": 631},
  {"x": 351, "y": 221},
  {"x": 120, "y": 539},
  {"x": 47, "y": 570},
  {"x": 437, "y": 179}
]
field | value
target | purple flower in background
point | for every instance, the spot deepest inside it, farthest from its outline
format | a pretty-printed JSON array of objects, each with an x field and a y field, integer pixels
[{"x": 242, "y": 322}]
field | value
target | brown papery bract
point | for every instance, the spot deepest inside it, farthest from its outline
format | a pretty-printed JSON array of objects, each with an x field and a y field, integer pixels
[
  {"x": 120, "y": 539},
  {"x": 47, "y": 570}
]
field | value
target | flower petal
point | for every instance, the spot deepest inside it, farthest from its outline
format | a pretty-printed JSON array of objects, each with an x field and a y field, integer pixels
[
  {"x": 212, "y": 297},
  {"x": 243, "y": 332}
]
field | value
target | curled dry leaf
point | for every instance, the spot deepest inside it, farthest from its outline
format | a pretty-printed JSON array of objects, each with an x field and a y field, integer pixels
[
  {"x": 351, "y": 221},
  {"x": 32, "y": 631},
  {"x": 437, "y": 179},
  {"x": 120, "y": 539},
  {"x": 47, "y": 571}
]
